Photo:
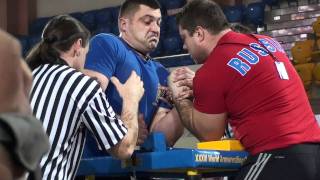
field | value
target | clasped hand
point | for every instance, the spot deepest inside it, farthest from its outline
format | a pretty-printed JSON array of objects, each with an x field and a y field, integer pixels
[{"x": 180, "y": 83}]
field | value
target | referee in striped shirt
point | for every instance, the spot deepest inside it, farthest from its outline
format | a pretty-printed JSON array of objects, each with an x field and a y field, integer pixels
[{"x": 68, "y": 102}]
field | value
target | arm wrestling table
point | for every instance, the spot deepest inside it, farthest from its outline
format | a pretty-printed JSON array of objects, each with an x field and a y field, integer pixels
[{"x": 155, "y": 159}]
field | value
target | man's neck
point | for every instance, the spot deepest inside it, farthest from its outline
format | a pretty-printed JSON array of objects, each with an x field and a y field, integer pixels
[
  {"x": 213, "y": 41},
  {"x": 143, "y": 55}
]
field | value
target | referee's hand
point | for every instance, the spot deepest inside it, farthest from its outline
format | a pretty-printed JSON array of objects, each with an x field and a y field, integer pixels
[{"x": 132, "y": 89}]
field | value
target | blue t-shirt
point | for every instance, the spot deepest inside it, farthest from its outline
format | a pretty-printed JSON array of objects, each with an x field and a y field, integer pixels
[{"x": 111, "y": 56}]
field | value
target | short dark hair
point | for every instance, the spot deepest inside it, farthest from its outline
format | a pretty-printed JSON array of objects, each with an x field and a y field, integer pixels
[
  {"x": 205, "y": 13},
  {"x": 131, "y": 6},
  {"x": 60, "y": 33}
]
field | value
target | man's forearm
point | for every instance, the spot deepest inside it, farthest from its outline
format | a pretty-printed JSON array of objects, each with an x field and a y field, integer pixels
[
  {"x": 129, "y": 116},
  {"x": 185, "y": 110},
  {"x": 168, "y": 122}
]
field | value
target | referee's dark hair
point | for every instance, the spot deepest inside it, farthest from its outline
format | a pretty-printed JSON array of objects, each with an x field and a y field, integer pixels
[
  {"x": 58, "y": 36},
  {"x": 204, "y": 13},
  {"x": 129, "y": 7}
]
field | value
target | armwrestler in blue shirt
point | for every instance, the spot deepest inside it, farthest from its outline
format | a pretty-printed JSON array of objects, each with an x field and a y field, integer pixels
[{"x": 109, "y": 55}]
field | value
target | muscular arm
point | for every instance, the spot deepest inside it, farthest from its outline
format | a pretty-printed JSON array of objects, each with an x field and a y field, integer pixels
[
  {"x": 129, "y": 116},
  {"x": 167, "y": 121},
  {"x": 206, "y": 127}
]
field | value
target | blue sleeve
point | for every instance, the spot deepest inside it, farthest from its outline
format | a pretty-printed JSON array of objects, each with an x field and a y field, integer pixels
[
  {"x": 102, "y": 56},
  {"x": 163, "y": 74}
]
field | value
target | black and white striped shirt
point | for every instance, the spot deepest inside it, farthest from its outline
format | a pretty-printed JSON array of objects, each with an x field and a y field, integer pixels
[{"x": 67, "y": 102}]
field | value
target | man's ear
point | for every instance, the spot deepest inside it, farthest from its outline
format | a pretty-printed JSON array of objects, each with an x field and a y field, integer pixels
[
  {"x": 199, "y": 33},
  {"x": 123, "y": 24}
]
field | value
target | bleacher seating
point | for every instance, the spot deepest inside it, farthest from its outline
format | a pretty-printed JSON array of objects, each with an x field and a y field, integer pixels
[
  {"x": 158, "y": 51},
  {"x": 77, "y": 15},
  {"x": 255, "y": 13},
  {"x": 293, "y": 3},
  {"x": 273, "y": 4},
  {"x": 105, "y": 21},
  {"x": 34, "y": 39},
  {"x": 171, "y": 25},
  {"x": 103, "y": 28},
  {"x": 316, "y": 73},
  {"x": 170, "y": 4},
  {"x": 294, "y": 24},
  {"x": 37, "y": 25},
  {"x": 305, "y": 73},
  {"x": 234, "y": 13},
  {"x": 316, "y": 27},
  {"x": 291, "y": 24},
  {"x": 163, "y": 26},
  {"x": 172, "y": 44},
  {"x": 302, "y": 51},
  {"x": 24, "y": 41},
  {"x": 313, "y": 1},
  {"x": 104, "y": 17},
  {"x": 115, "y": 13},
  {"x": 305, "y": 51},
  {"x": 89, "y": 19},
  {"x": 115, "y": 29}
]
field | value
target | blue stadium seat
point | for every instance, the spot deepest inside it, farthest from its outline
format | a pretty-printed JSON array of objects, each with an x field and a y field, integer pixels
[
  {"x": 163, "y": 4},
  {"x": 104, "y": 16},
  {"x": 272, "y": 3},
  {"x": 164, "y": 11},
  {"x": 172, "y": 44},
  {"x": 163, "y": 25},
  {"x": 115, "y": 13},
  {"x": 234, "y": 13},
  {"x": 171, "y": 25},
  {"x": 102, "y": 28},
  {"x": 313, "y": 1},
  {"x": 37, "y": 25},
  {"x": 33, "y": 40},
  {"x": 293, "y": 3},
  {"x": 173, "y": 4},
  {"x": 24, "y": 41},
  {"x": 255, "y": 13},
  {"x": 88, "y": 19},
  {"x": 158, "y": 51},
  {"x": 76, "y": 15},
  {"x": 115, "y": 29}
]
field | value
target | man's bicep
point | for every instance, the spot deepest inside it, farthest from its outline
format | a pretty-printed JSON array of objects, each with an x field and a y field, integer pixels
[
  {"x": 209, "y": 127},
  {"x": 102, "y": 56},
  {"x": 161, "y": 113},
  {"x": 101, "y": 78}
]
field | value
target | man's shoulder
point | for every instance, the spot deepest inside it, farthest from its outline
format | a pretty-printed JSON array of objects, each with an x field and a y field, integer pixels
[{"x": 106, "y": 38}]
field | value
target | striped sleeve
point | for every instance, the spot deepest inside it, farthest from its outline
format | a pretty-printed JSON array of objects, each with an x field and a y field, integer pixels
[{"x": 103, "y": 123}]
